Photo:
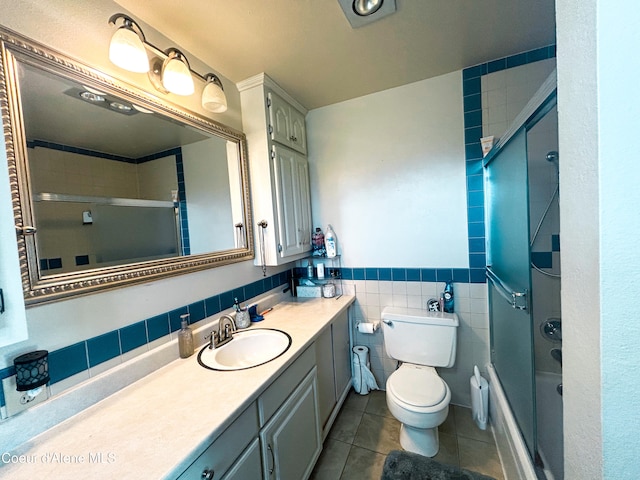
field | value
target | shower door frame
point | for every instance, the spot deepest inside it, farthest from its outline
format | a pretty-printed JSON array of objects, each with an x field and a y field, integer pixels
[{"x": 524, "y": 409}]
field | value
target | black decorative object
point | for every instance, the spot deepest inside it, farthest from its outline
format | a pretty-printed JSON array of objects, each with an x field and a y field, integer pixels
[{"x": 32, "y": 370}]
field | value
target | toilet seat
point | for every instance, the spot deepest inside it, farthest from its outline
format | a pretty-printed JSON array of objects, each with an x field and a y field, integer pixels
[{"x": 417, "y": 386}]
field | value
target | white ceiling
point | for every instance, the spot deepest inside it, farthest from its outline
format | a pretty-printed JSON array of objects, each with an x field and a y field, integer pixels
[{"x": 309, "y": 48}]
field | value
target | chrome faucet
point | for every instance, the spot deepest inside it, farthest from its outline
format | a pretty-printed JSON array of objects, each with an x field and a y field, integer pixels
[{"x": 226, "y": 327}]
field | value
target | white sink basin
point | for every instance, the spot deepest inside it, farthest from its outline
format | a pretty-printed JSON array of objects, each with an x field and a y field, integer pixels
[{"x": 249, "y": 348}]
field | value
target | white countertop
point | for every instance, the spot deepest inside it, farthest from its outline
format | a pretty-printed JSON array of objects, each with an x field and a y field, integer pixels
[{"x": 156, "y": 427}]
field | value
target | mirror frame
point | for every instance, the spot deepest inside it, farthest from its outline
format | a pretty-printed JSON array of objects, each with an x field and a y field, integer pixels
[{"x": 15, "y": 47}]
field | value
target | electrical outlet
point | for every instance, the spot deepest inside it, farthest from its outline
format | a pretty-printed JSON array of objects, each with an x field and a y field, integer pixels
[{"x": 15, "y": 401}]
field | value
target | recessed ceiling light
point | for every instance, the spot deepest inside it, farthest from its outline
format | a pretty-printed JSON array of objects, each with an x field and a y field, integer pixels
[
  {"x": 121, "y": 107},
  {"x": 92, "y": 97},
  {"x": 362, "y": 12},
  {"x": 366, "y": 7}
]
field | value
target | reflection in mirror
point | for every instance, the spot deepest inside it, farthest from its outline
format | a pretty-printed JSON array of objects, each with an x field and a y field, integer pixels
[{"x": 118, "y": 186}]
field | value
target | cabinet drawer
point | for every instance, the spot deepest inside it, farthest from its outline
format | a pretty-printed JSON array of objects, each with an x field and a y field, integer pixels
[
  {"x": 282, "y": 387},
  {"x": 248, "y": 466},
  {"x": 222, "y": 453}
]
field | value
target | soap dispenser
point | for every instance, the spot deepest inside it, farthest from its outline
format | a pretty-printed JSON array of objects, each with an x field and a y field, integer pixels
[{"x": 185, "y": 338}]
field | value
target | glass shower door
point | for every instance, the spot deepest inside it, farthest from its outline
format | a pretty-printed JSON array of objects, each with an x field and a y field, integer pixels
[{"x": 508, "y": 272}]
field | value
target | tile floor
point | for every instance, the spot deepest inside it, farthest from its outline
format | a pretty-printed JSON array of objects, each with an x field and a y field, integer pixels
[{"x": 365, "y": 432}]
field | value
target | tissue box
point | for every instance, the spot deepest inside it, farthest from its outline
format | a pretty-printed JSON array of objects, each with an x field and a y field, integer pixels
[{"x": 308, "y": 291}]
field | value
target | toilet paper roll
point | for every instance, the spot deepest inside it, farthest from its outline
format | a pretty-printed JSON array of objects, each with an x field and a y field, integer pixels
[
  {"x": 367, "y": 327},
  {"x": 362, "y": 353}
]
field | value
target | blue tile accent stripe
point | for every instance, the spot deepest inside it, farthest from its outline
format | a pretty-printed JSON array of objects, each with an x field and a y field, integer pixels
[
  {"x": 79, "y": 357},
  {"x": 472, "y": 103},
  {"x": 182, "y": 204}
]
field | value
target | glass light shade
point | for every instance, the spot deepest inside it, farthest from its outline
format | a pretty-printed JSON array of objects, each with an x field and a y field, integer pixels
[
  {"x": 127, "y": 51},
  {"x": 176, "y": 76},
  {"x": 213, "y": 98}
]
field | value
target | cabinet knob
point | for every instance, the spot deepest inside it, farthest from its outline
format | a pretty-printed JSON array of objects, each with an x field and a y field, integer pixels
[{"x": 208, "y": 474}]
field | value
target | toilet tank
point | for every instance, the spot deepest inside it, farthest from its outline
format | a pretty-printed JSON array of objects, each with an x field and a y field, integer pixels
[{"x": 419, "y": 336}]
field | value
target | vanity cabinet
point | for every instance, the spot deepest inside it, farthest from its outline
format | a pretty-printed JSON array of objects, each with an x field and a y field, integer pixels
[
  {"x": 221, "y": 455},
  {"x": 333, "y": 358},
  {"x": 291, "y": 440},
  {"x": 276, "y": 140}
]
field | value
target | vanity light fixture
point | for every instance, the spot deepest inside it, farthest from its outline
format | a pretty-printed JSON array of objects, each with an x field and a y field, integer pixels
[
  {"x": 213, "y": 97},
  {"x": 126, "y": 49},
  {"x": 168, "y": 71}
]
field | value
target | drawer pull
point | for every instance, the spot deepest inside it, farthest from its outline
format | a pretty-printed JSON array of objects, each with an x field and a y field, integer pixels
[{"x": 273, "y": 459}]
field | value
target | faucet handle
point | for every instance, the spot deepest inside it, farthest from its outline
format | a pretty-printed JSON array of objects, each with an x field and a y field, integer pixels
[{"x": 213, "y": 339}]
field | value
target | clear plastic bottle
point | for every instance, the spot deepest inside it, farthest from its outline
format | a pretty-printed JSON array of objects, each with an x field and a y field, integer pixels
[
  {"x": 310, "y": 269},
  {"x": 331, "y": 242},
  {"x": 185, "y": 338}
]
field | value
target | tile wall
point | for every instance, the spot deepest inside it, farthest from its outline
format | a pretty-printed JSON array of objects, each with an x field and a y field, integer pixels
[
  {"x": 470, "y": 303},
  {"x": 76, "y": 363}
]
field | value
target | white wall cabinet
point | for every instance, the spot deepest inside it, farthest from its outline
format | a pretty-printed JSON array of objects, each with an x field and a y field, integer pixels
[
  {"x": 286, "y": 124},
  {"x": 291, "y": 174},
  {"x": 279, "y": 173}
]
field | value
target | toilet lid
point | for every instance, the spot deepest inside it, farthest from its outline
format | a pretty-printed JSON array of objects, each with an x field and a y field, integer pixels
[{"x": 420, "y": 387}]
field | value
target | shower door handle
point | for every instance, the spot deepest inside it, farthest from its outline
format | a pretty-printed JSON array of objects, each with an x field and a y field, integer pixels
[{"x": 518, "y": 300}]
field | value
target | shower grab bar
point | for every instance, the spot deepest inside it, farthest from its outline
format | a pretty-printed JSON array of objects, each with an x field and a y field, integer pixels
[{"x": 518, "y": 300}]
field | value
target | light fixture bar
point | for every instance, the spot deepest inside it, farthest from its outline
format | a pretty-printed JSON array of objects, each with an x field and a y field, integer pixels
[{"x": 168, "y": 71}]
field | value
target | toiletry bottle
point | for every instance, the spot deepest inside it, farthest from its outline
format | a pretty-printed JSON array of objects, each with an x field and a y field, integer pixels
[
  {"x": 320, "y": 269},
  {"x": 185, "y": 338},
  {"x": 331, "y": 243},
  {"x": 448, "y": 297},
  {"x": 317, "y": 240},
  {"x": 310, "y": 269}
]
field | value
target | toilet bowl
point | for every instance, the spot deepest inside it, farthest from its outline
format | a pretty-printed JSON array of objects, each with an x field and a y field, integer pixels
[
  {"x": 415, "y": 393},
  {"x": 419, "y": 399}
]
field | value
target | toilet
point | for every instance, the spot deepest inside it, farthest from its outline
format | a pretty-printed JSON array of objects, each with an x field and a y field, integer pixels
[{"x": 416, "y": 395}]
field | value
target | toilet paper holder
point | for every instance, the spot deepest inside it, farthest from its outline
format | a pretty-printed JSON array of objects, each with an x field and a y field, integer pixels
[{"x": 367, "y": 327}]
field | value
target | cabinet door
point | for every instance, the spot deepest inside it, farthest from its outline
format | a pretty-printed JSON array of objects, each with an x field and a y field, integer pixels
[
  {"x": 341, "y": 353},
  {"x": 304, "y": 218},
  {"x": 326, "y": 380},
  {"x": 291, "y": 440},
  {"x": 291, "y": 179},
  {"x": 297, "y": 130},
  {"x": 279, "y": 122}
]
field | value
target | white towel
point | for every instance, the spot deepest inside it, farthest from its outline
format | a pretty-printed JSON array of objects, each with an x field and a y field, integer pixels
[{"x": 363, "y": 379}]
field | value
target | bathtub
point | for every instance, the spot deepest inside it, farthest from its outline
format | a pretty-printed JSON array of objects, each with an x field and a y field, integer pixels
[
  {"x": 549, "y": 423},
  {"x": 512, "y": 450},
  {"x": 516, "y": 463}
]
